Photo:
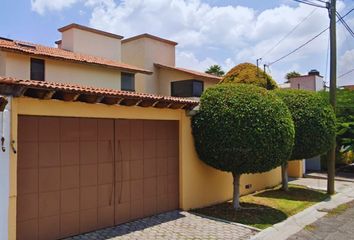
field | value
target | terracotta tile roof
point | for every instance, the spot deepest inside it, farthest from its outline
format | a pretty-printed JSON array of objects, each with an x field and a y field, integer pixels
[
  {"x": 93, "y": 30},
  {"x": 61, "y": 54},
  {"x": 146, "y": 35},
  {"x": 72, "y": 92},
  {"x": 192, "y": 72}
]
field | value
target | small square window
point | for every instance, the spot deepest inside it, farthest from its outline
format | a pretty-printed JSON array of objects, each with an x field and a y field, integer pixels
[
  {"x": 37, "y": 69},
  {"x": 128, "y": 82}
]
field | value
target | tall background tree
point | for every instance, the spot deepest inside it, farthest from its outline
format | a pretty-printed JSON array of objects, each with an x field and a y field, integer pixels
[
  {"x": 215, "y": 70},
  {"x": 291, "y": 75},
  {"x": 242, "y": 129},
  {"x": 345, "y": 125},
  {"x": 314, "y": 121},
  {"x": 249, "y": 73}
]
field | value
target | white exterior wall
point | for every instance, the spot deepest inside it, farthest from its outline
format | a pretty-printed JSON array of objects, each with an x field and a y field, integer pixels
[
  {"x": 5, "y": 170},
  {"x": 319, "y": 83},
  {"x": 80, "y": 41},
  {"x": 2, "y": 63}
]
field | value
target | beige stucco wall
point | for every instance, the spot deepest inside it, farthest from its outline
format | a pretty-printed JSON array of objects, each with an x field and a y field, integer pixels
[
  {"x": 18, "y": 66},
  {"x": 144, "y": 52},
  {"x": 2, "y": 63},
  {"x": 86, "y": 42},
  {"x": 166, "y": 76}
]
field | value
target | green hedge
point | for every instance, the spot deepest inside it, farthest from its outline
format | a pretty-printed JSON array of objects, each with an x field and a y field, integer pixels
[{"x": 242, "y": 129}]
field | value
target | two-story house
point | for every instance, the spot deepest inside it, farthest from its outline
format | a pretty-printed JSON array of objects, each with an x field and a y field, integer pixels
[{"x": 95, "y": 133}]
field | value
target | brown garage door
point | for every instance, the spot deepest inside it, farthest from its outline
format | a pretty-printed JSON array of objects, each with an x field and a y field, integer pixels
[{"x": 77, "y": 175}]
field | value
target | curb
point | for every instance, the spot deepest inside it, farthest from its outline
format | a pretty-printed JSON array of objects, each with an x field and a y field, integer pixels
[{"x": 295, "y": 223}]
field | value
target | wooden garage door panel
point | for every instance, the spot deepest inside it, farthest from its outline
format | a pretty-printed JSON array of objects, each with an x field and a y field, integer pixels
[
  {"x": 77, "y": 174},
  {"x": 147, "y": 157},
  {"x": 65, "y": 176}
]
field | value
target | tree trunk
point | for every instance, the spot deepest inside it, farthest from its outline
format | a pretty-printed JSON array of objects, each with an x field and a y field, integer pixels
[
  {"x": 236, "y": 199},
  {"x": 284, "y": 176}
]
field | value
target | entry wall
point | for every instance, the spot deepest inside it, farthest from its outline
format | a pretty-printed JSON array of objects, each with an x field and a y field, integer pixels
[{"x": 200, "y": 185}]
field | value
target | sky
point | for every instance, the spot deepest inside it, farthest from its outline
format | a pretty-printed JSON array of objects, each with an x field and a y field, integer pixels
[{"x": 224, "y": 32}]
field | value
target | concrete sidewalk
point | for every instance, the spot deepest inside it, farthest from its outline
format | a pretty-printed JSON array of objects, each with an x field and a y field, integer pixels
[{"x": 283, "y": 230}]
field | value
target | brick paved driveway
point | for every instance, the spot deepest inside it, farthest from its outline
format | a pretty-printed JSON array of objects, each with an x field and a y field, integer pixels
[{"x": 172, "y": 225}]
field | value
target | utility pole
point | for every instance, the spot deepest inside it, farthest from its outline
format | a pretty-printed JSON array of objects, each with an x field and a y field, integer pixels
[
  {"x": 258, "y": 59},
  {"x": 332, "y": 91}
]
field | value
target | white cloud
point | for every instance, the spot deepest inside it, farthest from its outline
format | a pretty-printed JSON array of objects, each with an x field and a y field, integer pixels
[
  {"x": 225, "y": 35},
  {"x": 40, "y": 6},
  {"x": 346, "y": 64}
]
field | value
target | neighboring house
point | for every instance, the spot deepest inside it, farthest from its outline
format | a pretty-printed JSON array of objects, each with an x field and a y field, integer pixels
[
  {"x": 349, "y": 87},
  {"x": 79, "y": 154},
  {"x": 313, "y": 81}
]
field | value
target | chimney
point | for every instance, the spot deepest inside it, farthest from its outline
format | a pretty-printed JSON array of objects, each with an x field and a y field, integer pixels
[
  {"x": 314, "y": 72},
  {"x": 85, "y": 40}
]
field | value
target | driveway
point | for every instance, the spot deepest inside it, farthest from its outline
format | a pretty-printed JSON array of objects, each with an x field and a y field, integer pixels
[
  {"x": 331, "y": 227},
  {"x": 172, "y": 225}
]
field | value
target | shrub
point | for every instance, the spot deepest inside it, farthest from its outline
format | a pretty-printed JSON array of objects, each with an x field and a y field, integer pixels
[
  {"x": 249, "y": 74},
  {"x": 315, "y": 124},
  {"x": 242, "y": 129}
]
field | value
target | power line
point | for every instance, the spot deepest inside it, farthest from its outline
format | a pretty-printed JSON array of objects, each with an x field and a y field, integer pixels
[
  {"x": 340, "y": 18},
  {"x": 289, "y": 33},
  {"x": 310, "y": 3},
  {"x": 346, "y": 73},
  {"x": 307, "y": 42}
]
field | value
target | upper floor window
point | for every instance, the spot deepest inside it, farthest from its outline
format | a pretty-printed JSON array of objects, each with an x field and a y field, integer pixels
[
  {"x": 187, "y": 88},
  {"x": 37, "y": 69},
  {"x": 128, "y": 82}
]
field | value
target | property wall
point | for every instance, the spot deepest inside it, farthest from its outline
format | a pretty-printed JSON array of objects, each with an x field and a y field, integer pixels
[
  {"x": 200, "y": 185},
  {"x": 86, "y": 42},
  {"x": 18, "y": 66},
  {"x": 166, "y": 76},
  {"x": 4, "y": 170},
  {"x": 295, "y": 168},
  {"x": 144, "y": 52}
]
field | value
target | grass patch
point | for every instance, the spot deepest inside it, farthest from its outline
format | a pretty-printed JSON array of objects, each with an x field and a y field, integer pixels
[
  {"x": 310, "y": 227},
  {"x": 340, "y": 209},
  {"x": 264, "y": 209}
]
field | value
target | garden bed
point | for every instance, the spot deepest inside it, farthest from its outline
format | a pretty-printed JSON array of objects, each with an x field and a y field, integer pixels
[{"x": 266, "y": 208}]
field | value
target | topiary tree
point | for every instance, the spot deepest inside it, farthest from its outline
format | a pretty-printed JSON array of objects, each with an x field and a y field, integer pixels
[
  {"x": 249, "y": 73},
  {"x": 242, "y": 129},
  {"x": 315, "y": 125}
]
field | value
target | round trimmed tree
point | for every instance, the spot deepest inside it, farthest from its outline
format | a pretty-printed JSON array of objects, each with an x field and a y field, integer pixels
[
  {"x": 315, "y": 125},
  {"x": 242, "y": 129},
  {"x": 249, "y": 73}
]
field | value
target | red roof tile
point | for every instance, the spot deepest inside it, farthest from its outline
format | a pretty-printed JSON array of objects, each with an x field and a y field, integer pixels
[
  {"x": 192, "y": 72},
  {"x": 12, "y": 86},
  {"x": 56, "y": 53}
]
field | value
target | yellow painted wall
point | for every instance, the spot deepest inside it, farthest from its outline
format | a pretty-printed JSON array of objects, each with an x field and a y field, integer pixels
[
  {"x": 166, "y": 76},
  {"x": 18, "y": 66},
  {"x": 295, "y": 168},
  {"x": 200, "y": 185}
]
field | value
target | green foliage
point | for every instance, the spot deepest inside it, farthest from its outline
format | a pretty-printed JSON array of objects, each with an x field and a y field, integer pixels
[
  {"x": 345, "y": 118},
  {"x": 242, "y": 129},
  {"x": 249, "y": 73},
  {"x": 215, "y": 70},
  {"x": 292, "y": 75},
  {"x": 314, "y": 121}
]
